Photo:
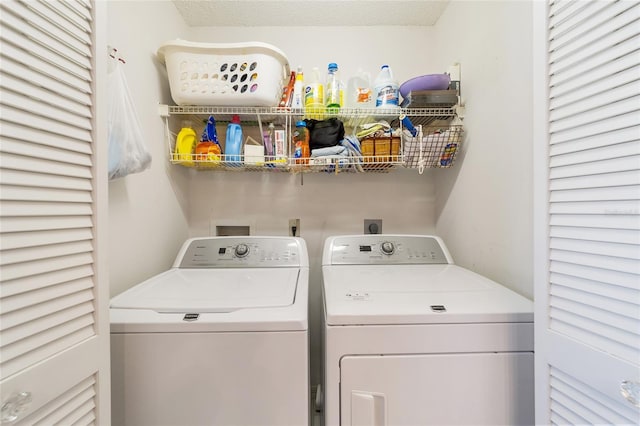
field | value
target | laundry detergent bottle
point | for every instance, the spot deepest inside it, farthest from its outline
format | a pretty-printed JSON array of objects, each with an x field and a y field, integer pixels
[
  {"x": 185, "y": 144},
  {"x": 233, "y": 143},
  {"x": 386, "y": 89}
]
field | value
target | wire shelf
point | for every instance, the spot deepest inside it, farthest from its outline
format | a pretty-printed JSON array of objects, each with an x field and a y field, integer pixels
[
  {"x": 437, "y": 148},
  {"x": 350, "y": 116},
  {"x": 341, "y": 112},
  {"x": 341, "y": 164},
  {"x": 329, "y": 164},
  {"x": 229, "y": 162}
]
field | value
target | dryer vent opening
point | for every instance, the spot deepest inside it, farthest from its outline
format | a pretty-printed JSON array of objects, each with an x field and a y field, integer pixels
[{"x": 231, "y": 231}]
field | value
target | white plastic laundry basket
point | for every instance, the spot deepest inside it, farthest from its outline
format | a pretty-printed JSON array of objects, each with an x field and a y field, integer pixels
[{"x": 224, "y": 74}]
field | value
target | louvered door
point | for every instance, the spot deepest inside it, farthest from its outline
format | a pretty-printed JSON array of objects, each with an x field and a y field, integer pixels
[
  {"x": 53, "y": 316},
  {"x": 588, "y": 213}
]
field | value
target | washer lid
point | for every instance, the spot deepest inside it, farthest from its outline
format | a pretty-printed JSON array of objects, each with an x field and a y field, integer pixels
[
  {"x": 417, "y": 294},
  {"x": 212, "y": 290}
]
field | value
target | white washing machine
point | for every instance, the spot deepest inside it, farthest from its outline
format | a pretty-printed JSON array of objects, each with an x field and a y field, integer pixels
[
  {"x": 412, "y": 339},
  {"x": 219, "y": 339}
]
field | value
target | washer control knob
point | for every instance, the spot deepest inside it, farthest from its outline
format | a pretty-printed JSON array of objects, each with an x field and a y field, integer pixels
[
  {"x": 242, "y": 250},
  {"x": 387, "y": 248}
]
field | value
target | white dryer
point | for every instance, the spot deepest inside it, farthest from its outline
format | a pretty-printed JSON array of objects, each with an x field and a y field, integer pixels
[
  {"x": 219, "y": 339},
  {"x": 412, "y": 339}
]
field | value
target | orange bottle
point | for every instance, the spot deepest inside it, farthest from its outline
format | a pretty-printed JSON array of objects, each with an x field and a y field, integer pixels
[
  {"x": 208, "y": 153},
  {"x": 301, "y": 152}
]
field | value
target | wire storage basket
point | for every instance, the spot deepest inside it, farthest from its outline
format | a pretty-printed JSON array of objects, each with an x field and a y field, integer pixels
[
  {"x": 224, "y": 74},
  {"x": 433, "y": 147}
]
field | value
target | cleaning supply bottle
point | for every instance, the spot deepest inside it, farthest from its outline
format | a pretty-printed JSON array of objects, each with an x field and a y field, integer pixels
[
  {"x": 298, "y": 90},
  {"x": 386, "y": 89},
  {"x": 208, "y": 150},
  {"x": 233, "y": 143},
  {"x": 210, "y": 133},
  {"x": 186, "y": 142},
  {"x": 268, "y": 140},
  {"x": 301, "y": 150},
  {"x": 208, "y": 153},
  {"x": 314, "y": 96},
  {"x": 332, "y": 88},
  {"x": 359, "y": 93}
]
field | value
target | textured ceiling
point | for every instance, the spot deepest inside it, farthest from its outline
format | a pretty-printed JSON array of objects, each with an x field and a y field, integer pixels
[{"x": 251, "y": 13}]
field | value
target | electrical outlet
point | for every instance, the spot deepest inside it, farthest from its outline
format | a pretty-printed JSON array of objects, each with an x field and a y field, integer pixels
[
  {"x": 294, "y": 227},
  {"x": 373, "y": 226}
]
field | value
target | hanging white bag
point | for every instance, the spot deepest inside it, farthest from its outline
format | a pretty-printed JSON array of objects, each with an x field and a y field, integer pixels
[{"x": 127, "y": 151}]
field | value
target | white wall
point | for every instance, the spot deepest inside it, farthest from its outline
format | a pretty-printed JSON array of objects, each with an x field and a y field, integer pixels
[
  {"x": 350, "y": 48},
  {"x": 482, "y": 206},
  {"x": 147, "y": 211}
]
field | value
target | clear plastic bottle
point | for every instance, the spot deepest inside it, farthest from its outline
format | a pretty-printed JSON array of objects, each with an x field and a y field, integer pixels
[
  {"x": 386, "y": 89},
  {"x": 314, "y": 96},
  {"x": 332, "y": 87},
  {"x": 301, "y": 150},
  {"x": 233, "y": 143},
  {"x": 298, "y": 90},
  {"x": 359, "y": 93}
]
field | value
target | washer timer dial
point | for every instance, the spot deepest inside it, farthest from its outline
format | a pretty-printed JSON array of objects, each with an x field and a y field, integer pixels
[
  {"x": 387, "y": 248},
  {"x": 242, "y": 250}
]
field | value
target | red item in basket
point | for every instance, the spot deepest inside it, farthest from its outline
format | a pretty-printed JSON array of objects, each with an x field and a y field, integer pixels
[{"x": 287, "y": 92}]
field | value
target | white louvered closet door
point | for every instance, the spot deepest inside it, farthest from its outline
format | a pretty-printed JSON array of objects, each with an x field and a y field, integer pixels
[
  {"x": 54, "y": 327},
  {"x": 587, "y": 198}
]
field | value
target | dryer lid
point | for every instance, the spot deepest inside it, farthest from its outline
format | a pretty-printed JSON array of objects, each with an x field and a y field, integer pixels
[
  {"x": 417, "y": 294},
  {"x": 212, "y": 290}
]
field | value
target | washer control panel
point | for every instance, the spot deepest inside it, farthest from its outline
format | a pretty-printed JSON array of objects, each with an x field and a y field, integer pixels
[
  {"x": 240, "y": 252},
  {"x": 386, "y": 250}
]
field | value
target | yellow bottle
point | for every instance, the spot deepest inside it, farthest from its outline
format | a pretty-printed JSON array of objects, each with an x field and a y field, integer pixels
[
  {"x": 185, "y": 145},
  {"x": 314, "y": 105}
]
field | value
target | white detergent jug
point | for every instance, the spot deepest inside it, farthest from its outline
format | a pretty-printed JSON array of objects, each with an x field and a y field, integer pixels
[
  {"x": 359, "y": 92},
  {"x": 386, "y": 89}
]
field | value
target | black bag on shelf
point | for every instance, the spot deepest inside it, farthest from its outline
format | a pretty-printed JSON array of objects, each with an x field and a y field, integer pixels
[{"x": 325, "y": 133}]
